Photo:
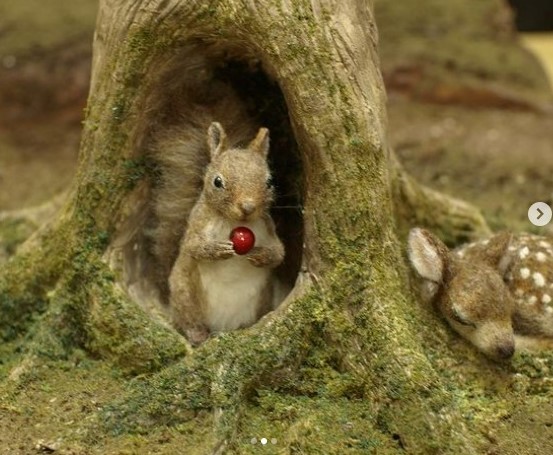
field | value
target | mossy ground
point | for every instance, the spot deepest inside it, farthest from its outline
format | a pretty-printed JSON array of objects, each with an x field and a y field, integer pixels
[
  {"x": 57, "y": 405},
  {"x": 65, "y": 404}
]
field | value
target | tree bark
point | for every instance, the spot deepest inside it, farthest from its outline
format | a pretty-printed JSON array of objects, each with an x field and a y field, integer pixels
[{"x": 349, "y": 342}]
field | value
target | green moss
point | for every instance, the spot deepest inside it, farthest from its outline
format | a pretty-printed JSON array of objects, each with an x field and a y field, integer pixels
[
  {"x": 306, "y": 411},
  {"x": 12, "y": 233},
  {"x": 100, "y": 318},
  {"x": 113, "y": 317},
  {"x": 137, "y": 169},
  {"x": 25, "y": 281},
  {"x": 309, "y": 425},
  {"x": 219, "y": 375},
  {"x": 70, "y": 299}
]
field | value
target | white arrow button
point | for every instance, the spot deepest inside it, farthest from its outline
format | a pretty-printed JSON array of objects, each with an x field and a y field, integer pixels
[{"x": 539, "y": 214}]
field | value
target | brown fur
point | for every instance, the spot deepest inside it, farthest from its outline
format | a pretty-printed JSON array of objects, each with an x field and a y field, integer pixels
[
  {"x": 481, "y": 293},
  {"x": 243, "y": 197},
  {"x": 533, "y": 314},
  {"x": 182, "y": 155}
]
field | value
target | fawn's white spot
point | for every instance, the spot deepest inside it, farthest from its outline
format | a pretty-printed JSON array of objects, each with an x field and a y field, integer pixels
[
  {"x": 546, "y": 298},
  {"x": 532, "y": 299},
  {"x": 524, "y": 272},
  {"x": 512, "y": 248},
  {"x": 539, "y": 280},
  {"x": 524, "y": 252},
  {"x": 519, "y": 292},
  {"x": 549, "y": 309},
  {"x": 540, "y": 256},
  {"x": 544, "y": 244}
]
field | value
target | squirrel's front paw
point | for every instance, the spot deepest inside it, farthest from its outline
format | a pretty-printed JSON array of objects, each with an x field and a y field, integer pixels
[
  {"x": 223, "y": 250},
  {"x": 260, "y": 257}
]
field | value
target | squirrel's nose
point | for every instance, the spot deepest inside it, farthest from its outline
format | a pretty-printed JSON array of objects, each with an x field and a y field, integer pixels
[{"x": 247, "y": 207}]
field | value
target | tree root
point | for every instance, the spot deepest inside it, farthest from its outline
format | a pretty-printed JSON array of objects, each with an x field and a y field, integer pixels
[{"x": 452, "y": 219}]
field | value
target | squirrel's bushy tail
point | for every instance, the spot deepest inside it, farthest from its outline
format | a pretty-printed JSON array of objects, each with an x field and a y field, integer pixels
[{"x": 180, "y": 152}]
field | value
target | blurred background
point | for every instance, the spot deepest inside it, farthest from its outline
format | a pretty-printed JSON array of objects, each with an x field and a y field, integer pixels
[
  {"x": 45, "y": 52},
  {"x": 469, "y": 87}
]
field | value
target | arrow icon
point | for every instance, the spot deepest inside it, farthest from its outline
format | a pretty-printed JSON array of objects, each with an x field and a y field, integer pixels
[{"x": 540, "y": 213}]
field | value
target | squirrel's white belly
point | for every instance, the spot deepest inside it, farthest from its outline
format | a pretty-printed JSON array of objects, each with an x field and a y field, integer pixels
[{"x": 233, "y": 290}]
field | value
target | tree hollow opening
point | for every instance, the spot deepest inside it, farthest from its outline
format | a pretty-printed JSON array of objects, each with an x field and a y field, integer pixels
[{"x": 180, "y": 89}]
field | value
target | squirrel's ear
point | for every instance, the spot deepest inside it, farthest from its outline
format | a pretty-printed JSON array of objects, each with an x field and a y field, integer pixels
[
  {"x": 428, "y": 255},
  {"x": 496, "y": 251},
  {"x": 261, "y": 142},
  {"x": 216, "y": 139}
]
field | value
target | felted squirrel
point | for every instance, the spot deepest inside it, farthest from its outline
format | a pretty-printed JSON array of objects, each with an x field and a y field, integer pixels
[{"x": 211, "y": 287}]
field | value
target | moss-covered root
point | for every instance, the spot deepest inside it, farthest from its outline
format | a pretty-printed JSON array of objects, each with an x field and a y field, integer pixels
[
  {"x": 302, "y": 371},
  {"x": 24, "y": 284},
  {"x": 16, "y": 226},
  {"x": 101, "y": 318},
  {"x": 13, "y": 232},
  {"x": 88, "y": 309},
  {"x": 219, "y": 375},
  {"x": 454, "y": 220}
]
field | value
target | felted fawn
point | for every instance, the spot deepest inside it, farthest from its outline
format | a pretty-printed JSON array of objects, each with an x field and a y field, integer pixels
[{"x": 497, "y": 293}]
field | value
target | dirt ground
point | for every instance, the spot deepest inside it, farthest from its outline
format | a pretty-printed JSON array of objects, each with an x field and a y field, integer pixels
[
  {"x": 42, "y": 97},
  {"x": 501, "y": 161},
  {"x": 44, "y": 74}
]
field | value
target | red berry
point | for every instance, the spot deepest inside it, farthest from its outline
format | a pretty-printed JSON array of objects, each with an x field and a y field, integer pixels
[{"x": 242, "y": 239}]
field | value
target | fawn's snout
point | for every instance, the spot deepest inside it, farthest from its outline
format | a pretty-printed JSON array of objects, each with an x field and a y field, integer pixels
[
  {"x": 494, "y": 339},
  {"x": 505, "y": 351}
]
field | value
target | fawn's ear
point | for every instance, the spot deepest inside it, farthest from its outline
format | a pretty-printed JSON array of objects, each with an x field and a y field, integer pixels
[
  {"x": 260, "y": 143},
  {"x": 216, "y": 139},
  {"x": 496, "y": 251},
  {"x": 428, "y": 255}
]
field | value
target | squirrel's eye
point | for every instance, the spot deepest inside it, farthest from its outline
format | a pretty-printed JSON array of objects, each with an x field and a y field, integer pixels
[
  {"x": 218, "y": 182},
  {"x": 270, "y": 182}
]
